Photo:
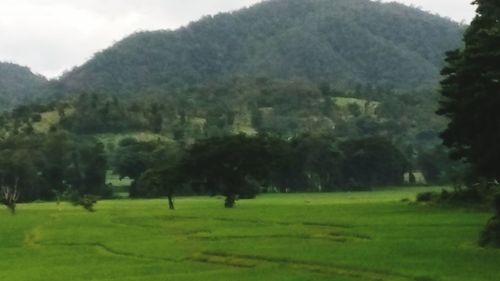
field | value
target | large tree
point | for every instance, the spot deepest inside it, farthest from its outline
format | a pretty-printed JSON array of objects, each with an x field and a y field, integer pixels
[
  {"x": 372, "y": 162},
  {"x": 230, "y": 166},
  {"x": 471, "y": 91}
]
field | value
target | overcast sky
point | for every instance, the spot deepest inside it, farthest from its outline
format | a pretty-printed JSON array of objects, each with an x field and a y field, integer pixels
[{"x": 51, "y": 36}]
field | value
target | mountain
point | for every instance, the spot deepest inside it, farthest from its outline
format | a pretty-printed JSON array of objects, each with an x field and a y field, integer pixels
[
  {"x": 347, "y": 68},
  {"x": 344, "y": 42},
  {"x": 18, "y": 85}
]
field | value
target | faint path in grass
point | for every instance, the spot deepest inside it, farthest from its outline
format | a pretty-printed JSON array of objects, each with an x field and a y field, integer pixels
[
  {"x": 339, "y": 235},
  {"x": 250, "y": 261},
  {"x": 107, "y": 249},
  {"x": 34, "y": 239},
  {"x": 335, "y": 237},
  {"x": 255, "y": 221}
]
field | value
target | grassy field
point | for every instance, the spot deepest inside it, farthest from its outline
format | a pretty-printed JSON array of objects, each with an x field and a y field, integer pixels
[{"x": 340, "y": 237}]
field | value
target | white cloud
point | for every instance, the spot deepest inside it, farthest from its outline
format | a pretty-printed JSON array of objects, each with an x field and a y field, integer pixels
[
  {"x": 458, "y": 10},
  {"x": 51, "y": 36}
]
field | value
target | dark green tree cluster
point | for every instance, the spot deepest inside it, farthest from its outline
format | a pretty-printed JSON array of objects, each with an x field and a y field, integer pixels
[
  {"x": 471, "y": 101},
  {"x": 241, "y": 167},
  {"x": 39, "y": 167},
  {"x": 136, "y": 159},
  {"x": 316, "y": 40},
  {"x": 231, "y": 166},
  {"x": 471, "y": 94},
  {"x": 285, "y": 108},
  {"x": 18, "y": 85}
]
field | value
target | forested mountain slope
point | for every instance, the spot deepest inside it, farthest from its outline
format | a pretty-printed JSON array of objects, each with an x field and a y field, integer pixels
[
  {"x": 18, "y": 85},
  {"x": 344, "y": 42}
]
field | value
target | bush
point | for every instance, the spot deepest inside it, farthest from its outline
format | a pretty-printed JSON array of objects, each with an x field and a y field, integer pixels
[
  {"x": 496, "y": 204},
  {"x": 466, "y": 196},
  {"x": 491, "y": 233},
  {"x": 427, "y": 197},
  {"x": 88, "y": 202}
]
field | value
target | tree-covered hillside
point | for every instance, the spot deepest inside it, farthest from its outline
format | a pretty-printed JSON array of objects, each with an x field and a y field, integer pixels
[
  {"x": 249, "y": 106},
  {"x": 18, "y": 85},
  {"x": 344, "y": 42},
  {"x": 337, "y": 70}
]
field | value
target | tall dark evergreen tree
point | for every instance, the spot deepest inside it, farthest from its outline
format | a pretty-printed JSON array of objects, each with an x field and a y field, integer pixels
[
  {"x": 472, "y": 102},
  {"x": 471, "y": 91}
]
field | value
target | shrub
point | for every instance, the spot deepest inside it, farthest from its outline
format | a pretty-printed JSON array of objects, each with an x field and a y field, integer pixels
[
  {"x": 88, "y": 202},
  {"x": 491, "y": 233},
  {"x": 427, "y": 197}
]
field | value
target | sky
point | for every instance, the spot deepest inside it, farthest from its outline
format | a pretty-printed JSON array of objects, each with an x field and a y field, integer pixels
[{"x": 53, "y": 36}]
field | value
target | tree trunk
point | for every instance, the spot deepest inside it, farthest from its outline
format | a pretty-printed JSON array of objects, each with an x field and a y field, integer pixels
[
  {"x": 171, "y": 202},
  {"x": 10, "y": 195}
]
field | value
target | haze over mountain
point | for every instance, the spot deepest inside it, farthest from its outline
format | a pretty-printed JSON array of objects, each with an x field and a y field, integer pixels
[
  {"x": 344, "y": 42},
  {"x": 18, "y": 85},
  {"x": 352, "y": 68}
]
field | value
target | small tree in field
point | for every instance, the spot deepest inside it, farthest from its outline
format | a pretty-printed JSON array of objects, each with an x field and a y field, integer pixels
[
  {"x": 10, "y": 195},
  {"x": 160, "y": 182},
  {"x": 87, "y": 174}
]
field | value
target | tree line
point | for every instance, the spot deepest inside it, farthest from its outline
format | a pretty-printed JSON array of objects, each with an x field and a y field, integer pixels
[
  {"x": 62, "y": 166},
  {"x": 51, "y": 167}
]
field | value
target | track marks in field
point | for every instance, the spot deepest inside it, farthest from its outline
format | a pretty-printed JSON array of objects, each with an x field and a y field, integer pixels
[
  {"x": 131, "y": 223},
  {"x": 255, "y": 221},
  {"x": 224, "y": 260},
  {"x": 328, "y": 231},
  {"x": 251, "y": 261},
  {"x": 326, "y": 224},
  {"x": 335, "y": 237},
  {"x": 106, "y": 249}
]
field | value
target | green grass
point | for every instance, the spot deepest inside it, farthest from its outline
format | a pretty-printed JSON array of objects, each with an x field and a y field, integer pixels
[
  {"x": 114, "y": 139},
  {"x": 120, "y": 186},
  {"x": 341, "y": 237},
  {"x": 50, "y": 119},
  {"x": 366, "y": 106}
]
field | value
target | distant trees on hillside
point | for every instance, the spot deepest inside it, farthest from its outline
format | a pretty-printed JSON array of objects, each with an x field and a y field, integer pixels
[
  {"x": 390, "y": 45},
  {"x": 284, "y": 108},
  {"x": 18, "y": 86}
]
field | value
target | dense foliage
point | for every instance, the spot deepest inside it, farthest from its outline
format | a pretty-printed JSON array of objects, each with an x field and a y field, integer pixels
[
  {"x": 53, "y": 166},
  {"x": 250, "y": 106},
  {"x": 471, "y": 101},
  {"x": 390, "y": 45},
  {"x": 241, "y": 166},
  {"x": 471, "y": 94},
  {"x": 18, "y": 85},
  {"x": 348, "y": 101}
]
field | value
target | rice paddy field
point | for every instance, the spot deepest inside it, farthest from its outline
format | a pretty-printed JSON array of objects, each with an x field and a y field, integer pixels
[{"x": 370, "y": 236}]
